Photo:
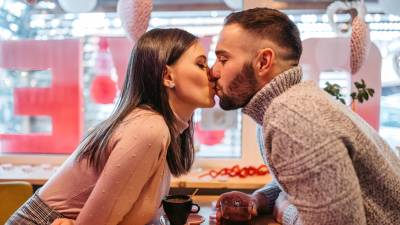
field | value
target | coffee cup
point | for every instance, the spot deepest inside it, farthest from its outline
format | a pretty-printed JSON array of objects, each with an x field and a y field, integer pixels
[{"x": 178, "y": 207}]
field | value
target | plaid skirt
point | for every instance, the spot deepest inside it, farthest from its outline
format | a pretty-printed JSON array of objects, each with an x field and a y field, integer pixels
[{"x": 34, "y": 212}]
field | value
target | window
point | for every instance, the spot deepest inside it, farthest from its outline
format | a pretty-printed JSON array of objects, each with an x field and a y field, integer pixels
[
  {"x": 9, "y": 122},
  {"x": 218, "y": 137},
  {"x": 223, "y": 138}
]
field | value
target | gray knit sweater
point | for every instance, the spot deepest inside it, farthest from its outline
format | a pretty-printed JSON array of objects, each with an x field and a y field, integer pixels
[{"x": 335, "y": 168}]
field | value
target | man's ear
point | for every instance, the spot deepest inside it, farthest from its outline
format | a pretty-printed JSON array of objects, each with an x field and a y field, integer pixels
[
  {"x": 265, "y": 59},
  {"x": 168, "y": 77}
]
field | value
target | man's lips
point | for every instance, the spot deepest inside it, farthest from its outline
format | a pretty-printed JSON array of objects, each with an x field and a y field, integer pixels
[{"x": 218, "y": 91}]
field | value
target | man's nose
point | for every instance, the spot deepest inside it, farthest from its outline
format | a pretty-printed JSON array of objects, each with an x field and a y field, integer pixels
[{"x": 214, "y": 74}]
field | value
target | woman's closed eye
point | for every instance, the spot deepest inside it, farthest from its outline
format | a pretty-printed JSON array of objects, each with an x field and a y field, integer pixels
[{"x": 202, "y": 66}]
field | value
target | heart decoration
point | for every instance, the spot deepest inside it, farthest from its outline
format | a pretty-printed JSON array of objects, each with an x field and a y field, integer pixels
[
  {"x": 358, "y": 31},
  {"x": 359, "y": 45},
  {"x": 135, "y": 16}
]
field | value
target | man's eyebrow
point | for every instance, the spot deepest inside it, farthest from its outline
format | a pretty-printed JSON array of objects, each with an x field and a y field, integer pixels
[{"x": 221, "y": 52}]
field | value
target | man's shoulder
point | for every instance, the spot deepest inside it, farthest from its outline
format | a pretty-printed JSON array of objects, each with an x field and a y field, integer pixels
[
  {"x": 303, "y": 97},
  {"x": 303, "y": 105}
]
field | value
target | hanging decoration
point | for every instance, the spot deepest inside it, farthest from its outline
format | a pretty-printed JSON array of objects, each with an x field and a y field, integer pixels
[
  {"x": 331, "y": 11},
  {"x": 208, "y": 137},
  {"x": 360, "y": 40},
  {"x": 135, "y": 16},
  {"x": 356, "y": 28},
  {"x": 103, "y": 89},
  {"x": 360, "y": 44},
  {"x": 77, "y": 6}
]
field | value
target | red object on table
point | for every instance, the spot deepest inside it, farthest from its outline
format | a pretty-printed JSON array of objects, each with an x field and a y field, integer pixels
[{"x": 237, "y": 171}]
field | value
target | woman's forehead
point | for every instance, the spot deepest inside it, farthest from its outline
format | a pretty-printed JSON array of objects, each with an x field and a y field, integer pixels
[{"x": 196, "y": 50}]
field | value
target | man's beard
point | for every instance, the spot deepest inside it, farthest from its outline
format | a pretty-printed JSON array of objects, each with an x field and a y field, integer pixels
[{"x": 240, "y": 90}]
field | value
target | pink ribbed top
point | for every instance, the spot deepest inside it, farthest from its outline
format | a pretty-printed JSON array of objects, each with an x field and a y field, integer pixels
[{"x": 130, "y": 187}]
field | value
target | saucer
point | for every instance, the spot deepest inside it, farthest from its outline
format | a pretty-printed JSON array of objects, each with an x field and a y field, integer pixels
[{"x": 193, "y": 219}]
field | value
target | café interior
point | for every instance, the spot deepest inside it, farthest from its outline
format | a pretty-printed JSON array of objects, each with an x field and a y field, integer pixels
[{"x": 63, "y": 63}]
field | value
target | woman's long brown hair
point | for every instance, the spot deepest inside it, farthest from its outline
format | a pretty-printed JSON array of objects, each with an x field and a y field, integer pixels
[{"x": 143, "y": 87}]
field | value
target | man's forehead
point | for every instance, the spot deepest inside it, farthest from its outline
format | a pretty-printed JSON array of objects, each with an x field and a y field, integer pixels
[
  {"x": 231, "y": 33},
  {"x": 231, "y": 38},
  {"x": 235, "y": 38},
  {"x": 232, "y": 29}
]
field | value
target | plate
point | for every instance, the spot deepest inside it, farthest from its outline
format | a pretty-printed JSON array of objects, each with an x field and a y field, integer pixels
[{"x": 193, "y": 219}]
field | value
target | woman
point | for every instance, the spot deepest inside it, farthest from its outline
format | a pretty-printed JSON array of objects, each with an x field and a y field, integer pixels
[{"x": 121, "y": 170}]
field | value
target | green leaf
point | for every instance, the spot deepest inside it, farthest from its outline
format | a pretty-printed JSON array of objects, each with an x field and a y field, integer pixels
[
  {"x": 353, "y": 95},
  {"x": 359, "y": 98},
  {"x": 366, "y": 96},
  {"x": 370, "y": 91},
  {"x": 358, "y": 85},
  {"x": 363, "y": 83}
]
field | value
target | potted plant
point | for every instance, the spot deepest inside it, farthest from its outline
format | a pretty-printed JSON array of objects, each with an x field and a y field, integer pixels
[{"x": 362, "y": 93}]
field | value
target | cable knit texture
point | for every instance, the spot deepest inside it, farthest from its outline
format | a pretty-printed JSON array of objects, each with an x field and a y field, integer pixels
[{"x": 335, "y": 168}]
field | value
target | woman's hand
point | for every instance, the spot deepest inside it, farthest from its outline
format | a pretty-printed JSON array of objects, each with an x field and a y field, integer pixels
[{"x": 63, "y": 221}]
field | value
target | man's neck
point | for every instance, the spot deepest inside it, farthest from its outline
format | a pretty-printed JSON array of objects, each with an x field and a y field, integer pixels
[{"x": 275, "y": 71}]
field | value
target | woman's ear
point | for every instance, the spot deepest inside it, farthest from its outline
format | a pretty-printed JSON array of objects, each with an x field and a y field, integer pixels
[
  {"x": 265, "y": 58},
  {"x": 168, "y": 78}
]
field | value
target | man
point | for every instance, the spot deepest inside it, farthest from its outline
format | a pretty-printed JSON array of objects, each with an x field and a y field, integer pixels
[{"x": 332, "y": 167}]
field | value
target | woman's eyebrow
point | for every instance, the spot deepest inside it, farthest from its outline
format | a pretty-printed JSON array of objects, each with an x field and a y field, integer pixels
[{"x": 202, "y": 57}]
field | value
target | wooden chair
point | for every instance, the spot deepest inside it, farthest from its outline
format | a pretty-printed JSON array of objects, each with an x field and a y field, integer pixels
[{"x": 12, "y": 196}]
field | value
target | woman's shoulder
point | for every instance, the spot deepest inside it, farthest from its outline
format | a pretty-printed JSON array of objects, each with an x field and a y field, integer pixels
[
  {"x": 143, "y": 114},
  {"x": 144, "y": 120}
]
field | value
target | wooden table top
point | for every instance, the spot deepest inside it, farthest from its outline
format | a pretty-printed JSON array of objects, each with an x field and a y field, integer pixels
[{"x": 39, "y": 174}]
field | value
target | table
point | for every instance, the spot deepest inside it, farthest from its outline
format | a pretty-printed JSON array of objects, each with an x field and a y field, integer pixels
[{"x": 39, "y": 174}]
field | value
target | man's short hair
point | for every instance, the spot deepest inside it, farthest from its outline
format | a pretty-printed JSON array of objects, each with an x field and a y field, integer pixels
[{"x": 270, "y": 24}]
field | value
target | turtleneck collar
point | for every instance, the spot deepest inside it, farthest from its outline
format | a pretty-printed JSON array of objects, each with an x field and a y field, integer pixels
[{"x": 260, "y": 102}]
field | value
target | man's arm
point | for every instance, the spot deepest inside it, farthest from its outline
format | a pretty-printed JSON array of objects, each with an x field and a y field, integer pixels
[
  {"x": 314, "y": 167},
  {"x": 266, "y": 196}
]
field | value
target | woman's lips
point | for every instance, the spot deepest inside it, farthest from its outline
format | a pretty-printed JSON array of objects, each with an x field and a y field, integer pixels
[{"x": 218, "y": 91}]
